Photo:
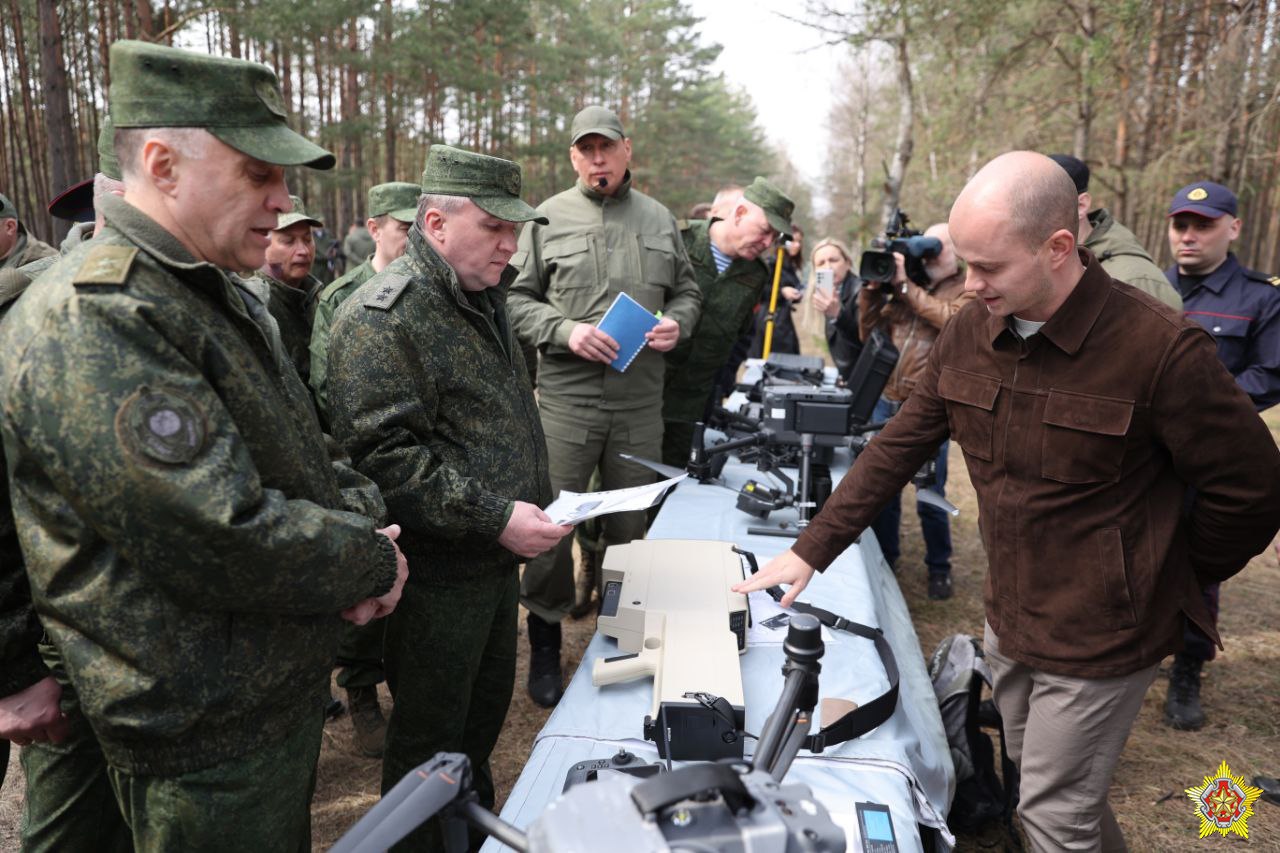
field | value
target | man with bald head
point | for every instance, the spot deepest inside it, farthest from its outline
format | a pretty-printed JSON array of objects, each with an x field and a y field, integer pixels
[{"x": 1085, "y": 409}]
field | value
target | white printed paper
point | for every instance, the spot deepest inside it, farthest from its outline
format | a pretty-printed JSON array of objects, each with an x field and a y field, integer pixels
[{"x": 572, "y": 507}]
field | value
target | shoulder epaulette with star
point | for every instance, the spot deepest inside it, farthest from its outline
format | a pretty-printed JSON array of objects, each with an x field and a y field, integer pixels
[
  {"x": 106, "y": 265},
  {"x": 387, "y": 292}
]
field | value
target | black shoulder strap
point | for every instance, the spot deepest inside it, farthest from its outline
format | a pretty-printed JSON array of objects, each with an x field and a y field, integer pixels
[{"x": 865, "y": 717}]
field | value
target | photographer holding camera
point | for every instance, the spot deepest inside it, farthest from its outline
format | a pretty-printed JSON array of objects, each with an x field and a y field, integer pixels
[{"x": 912, "y": 313}]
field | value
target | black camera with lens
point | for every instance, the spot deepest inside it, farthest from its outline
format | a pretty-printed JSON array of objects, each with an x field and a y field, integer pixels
[{"x": 878, "y": 264}]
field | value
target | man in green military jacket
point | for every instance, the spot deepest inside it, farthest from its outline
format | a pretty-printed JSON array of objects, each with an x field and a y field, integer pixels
[
  {"x": 293, "y": 290},
  {"x": 725, "y": 254},
  {"x": 605, "y": 238},
  {"x": 17, "y": 247},
  {"x": 429, "y": 393},
  {"x": 392, "y": 207},
  {"x": 193, "y": 542}
]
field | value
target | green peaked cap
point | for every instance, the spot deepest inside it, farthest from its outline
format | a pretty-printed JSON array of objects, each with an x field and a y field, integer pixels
[
  {"x": 491, "y": 182},
  {"x": 398, "y": 199},
  {"x": 239, "y": 102},
  {"x": 777, "y": 207},
  {"x": 298, "y": 214}
]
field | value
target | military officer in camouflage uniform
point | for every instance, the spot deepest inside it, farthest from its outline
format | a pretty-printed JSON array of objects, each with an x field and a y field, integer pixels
[
  {"x": 192, "y": 542},
  {"x": 392, "y": 208},
  {"x": 725, "y": 253},
  {"x": 604, "y": 238},
  {"x": 69, "y": 803},
  {"x": 293, "y": 289},
  {"x": 428, "y": 391},
  {"x": 17, "y": 247}
]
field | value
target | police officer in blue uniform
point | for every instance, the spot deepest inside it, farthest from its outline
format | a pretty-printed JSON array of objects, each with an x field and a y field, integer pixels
[{"x": 1241, "y": 309}]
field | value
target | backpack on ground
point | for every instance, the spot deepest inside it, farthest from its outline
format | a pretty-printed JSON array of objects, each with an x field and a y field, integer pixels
[{"x": 959, "y": 670}]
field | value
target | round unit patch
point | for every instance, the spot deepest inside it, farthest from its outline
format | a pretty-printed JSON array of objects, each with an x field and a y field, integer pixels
[{"x": 162, "y": 425}]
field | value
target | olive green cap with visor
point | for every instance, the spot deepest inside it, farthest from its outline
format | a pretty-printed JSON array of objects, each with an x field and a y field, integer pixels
[
  {"x": 239, "y": 102},
  {"x": 298, "y": 214},
  {"x": 491, "y": 182},
  {"x": 397, "y": 199},
  {"x": 774, "y": 202}
]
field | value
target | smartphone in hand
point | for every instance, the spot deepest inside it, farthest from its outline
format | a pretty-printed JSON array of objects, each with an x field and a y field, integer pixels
[{"x": 825, "y": 281}]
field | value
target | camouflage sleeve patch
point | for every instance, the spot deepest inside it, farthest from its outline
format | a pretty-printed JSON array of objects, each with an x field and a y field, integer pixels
[
  {"x": 106, "y": 265},
  {"x": 387, "y": 292},
  {"x": 161, "y": 425}
]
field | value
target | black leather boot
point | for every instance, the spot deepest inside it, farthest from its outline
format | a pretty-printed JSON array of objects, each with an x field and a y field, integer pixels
[
  {"x": 544, "y": 662},
  {"x": 1182, "y": 706}
]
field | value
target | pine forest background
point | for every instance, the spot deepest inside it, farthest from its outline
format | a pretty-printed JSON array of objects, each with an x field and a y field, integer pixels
[{"x": 1151, "y": 93}]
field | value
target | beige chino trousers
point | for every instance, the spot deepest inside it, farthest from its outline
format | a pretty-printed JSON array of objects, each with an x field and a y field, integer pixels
[{"x": 1065, "y": 735}]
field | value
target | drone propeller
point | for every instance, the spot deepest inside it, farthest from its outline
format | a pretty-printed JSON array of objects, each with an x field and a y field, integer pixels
[{"x": 420, "y": 794}]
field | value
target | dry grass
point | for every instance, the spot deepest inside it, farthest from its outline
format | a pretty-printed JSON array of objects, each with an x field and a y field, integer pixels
[{"x": 1241, "y": 696}]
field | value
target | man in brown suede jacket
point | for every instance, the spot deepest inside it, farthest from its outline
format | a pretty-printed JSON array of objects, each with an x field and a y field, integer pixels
[{"x": 1085, "y": 410}]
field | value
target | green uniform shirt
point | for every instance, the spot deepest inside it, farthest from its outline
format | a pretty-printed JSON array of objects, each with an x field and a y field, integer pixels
[
  {"x": 333, "y": 295},
  {"x": 727, "y": 302},
  {"x": 431, "y": 397},
  {"x": 1124, "y": 259},
  {"x": 189, "y": 533},
  {"x": 594, "y": 248}
]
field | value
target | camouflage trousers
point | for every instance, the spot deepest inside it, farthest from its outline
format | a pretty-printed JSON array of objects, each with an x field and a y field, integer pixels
[
  {"x": 260, "y": 801},
  {"x": 451, "y": 665},
  {"x": 70, "y": 804},
  {"x": 360, "y": 655}
]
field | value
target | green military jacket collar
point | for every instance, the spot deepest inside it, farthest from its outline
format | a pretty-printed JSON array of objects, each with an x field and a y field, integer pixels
[{"x": 623, "y": 190}]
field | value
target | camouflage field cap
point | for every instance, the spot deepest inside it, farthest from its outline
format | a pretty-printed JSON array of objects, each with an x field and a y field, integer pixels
[
  {"x": 601, "y": 120},
  {"x": 398, "y": 199},
  {"x": 7, "y": 210},
  {"x": 777, "y": 207},
  {"x": 107, "y": 162},
  {"x": 298, "y": 214},
  {"x": 491, "y": 182},
  {"x": 239, "y": 102}
]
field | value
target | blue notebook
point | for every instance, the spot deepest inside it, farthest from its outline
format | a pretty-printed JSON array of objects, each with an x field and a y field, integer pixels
[{"x": 626, "y": 322}]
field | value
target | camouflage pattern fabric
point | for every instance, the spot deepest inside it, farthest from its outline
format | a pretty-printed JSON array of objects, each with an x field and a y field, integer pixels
[
  {"x": 191, "y": 491},
  {"x": 259, "y": 801},
  {"x": 429, "y": 391},
  {"x": 469, "y": 626},
  {"x": 429, "y": 394},
  {"x": 70, "y": 804},
  {"x": 727, "y": 302},
  {"x": 331, "y": 296}
]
